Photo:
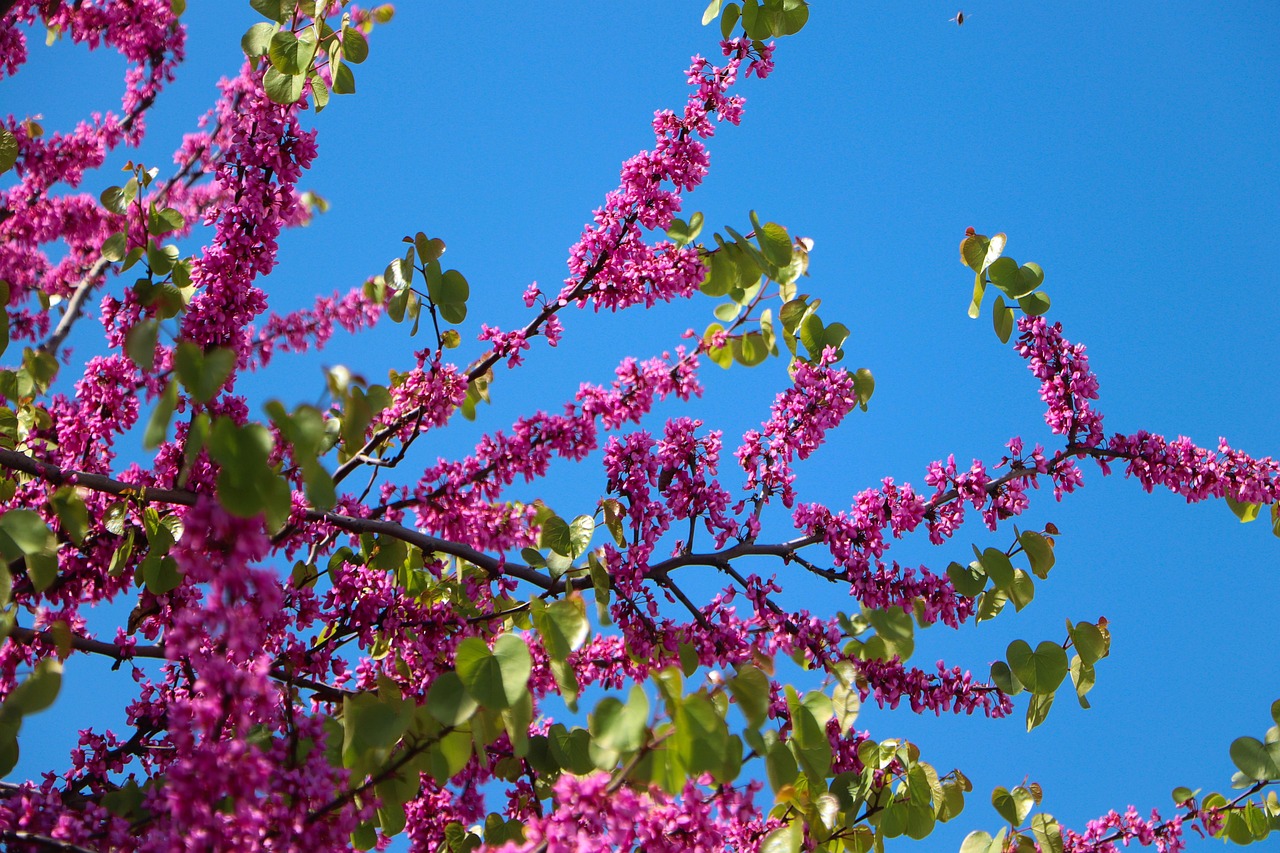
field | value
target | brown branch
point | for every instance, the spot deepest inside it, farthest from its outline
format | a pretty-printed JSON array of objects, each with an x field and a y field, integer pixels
[
  {"x": 16, "y": 461},
  {"x": 326, "y": 692}
]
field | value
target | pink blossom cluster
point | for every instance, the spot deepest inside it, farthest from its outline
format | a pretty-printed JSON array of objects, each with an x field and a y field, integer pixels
[
  {"x": 591, "y": 815},
  {"x": 1066, "y": 382},
  {"x": 258, "y": 172},
  {"x": 611, "y": 265},
  {"x": 147, "y": 35},
  {"x": 311, "y": 328},
  {"x": 1197, "y": 473},
  {"x": 1101, "y": 834},
  {"x": 458, "y": 499},
  {"x": 817, "y": 401},
  {"x": 948, "y": 689}
]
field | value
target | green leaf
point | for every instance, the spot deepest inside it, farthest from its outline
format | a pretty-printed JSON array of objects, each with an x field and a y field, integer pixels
[
  {"x": 722, "y": 275},
  {"x": 116, "y": 199},
  {"x": 975, "y": 302},
  {"x": 1038, "y": 709},
  {"x": 372, "y": 726},
  {"x": 160, "y": 573},
  {"x": 72, "y": 513},
  {"x": 557, "y": 536},
  {"x": 452, "y": 290},
  {"x": 581, "y": 529},
  {"x": 613, "y": 518},
  {"x": 1041, "y": 670},
  {"x": 355, "y": 49},
  {"x": 1039, "y": 551},
  {"x": 997, "y": 566},
  {"x": 25, "y": 533},
  {"x": 1047, "y": 833},
  {"x": 750, "y": 689},
  {"x": 729, "y": 19},
  {"x": 1090, "y": 644},
  {"x": 1013, "y": 806},
  {"x": 784, "y": 839},
  {"x": 8, "y": 150},
  {"x": 864, "y": 385},
  {"x": 570, "y": 748},
  {"x": 140, "y": 343},
  {"x": 750, "y": 350},
  {"x": 968, "y": 580},
  {"x": 1035, "y": 304},
  {"x": 203, "y": 373},
  {"x": 775, "y": 242},
  {"x": 276, "y": 10},
  {"x": 1255, "y": 759},
  {"x": 495, "y": 679},
  {"x": 709, "y": 14},
  {"x": 788, "y": 18},
  {"x": 780, "y": 766},
  {"x": 448, "y": 701},
  {"x": 158, "y": 423},
  {"x": 1004, "y": 678},
  {"x": 1082, "y": 676},
  {"x": 256, "y": 41},
  {"x": 978, "y": 252},
  {"x": 164, "y": 221},
  {"x": 1023, "y": 589},
  {"x": 621, "y": 727},
  {"x": 344, "y": 82},
  {"x": 600, "y": 586},
  {"x": 812, "y": 333},
  {"x": 982, "y": 842},
  {"x": 37, "y": 692},
  {"x": 1006, "y": 275},
  {"x": 284, "y": 88},
  {"x": 1246, "y": 512},
  {"x": 701, "y": 737},
  {"x": 289, "y": 55},
  {"x": 562, "y": 625},
  {"x": 1002, "y": 319},
  {"x": 113, "y": 248}
]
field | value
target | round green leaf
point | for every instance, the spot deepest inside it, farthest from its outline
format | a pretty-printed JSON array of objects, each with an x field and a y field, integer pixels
[
  {"x": 1255, "y": 759},
  {"x": 1004, "y": 678},
  {"x": 1089, "y": 642},
  {"x": 283, "y": 88},
  {"x": 257, "y": 41},
  {"x": 290, "y": 55},
  {"x": 968, "y": 580},
  {"x": 997, "y": 566},
  {"x": 1035, "y": 304},
  {"x": 28, "y": 532},
  {"x": 1041, "y": 670},
  {"x": 495, "y": 679},
  {"x": 38, "y": 691},
  {"x": 355, "y": 48},
  {"x": 448, "y": 701},
  {"x": 620, "y": 726},
  {"x": 8, "y": 150}
]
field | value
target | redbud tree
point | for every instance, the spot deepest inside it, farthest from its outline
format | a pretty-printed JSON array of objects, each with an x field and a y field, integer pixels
[{"x": 332, "y": 635}]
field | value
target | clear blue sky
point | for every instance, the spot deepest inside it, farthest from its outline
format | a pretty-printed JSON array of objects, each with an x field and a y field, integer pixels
[{"x": 1129, "y": 149}]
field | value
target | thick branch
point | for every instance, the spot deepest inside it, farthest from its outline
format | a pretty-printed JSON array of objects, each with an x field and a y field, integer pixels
[
  {"x": 53, "y": 474},
  {"x": 326, "y": 692}
]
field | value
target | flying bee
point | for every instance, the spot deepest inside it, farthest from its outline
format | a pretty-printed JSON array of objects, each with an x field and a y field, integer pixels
[{"x": 958, "y": 19}]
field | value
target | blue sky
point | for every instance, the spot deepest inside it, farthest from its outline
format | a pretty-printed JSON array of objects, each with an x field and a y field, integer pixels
[{"x": 1132, "y": 153}]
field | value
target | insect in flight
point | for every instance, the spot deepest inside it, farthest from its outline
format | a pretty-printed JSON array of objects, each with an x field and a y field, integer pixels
[{"x": 959, "y": 18}]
